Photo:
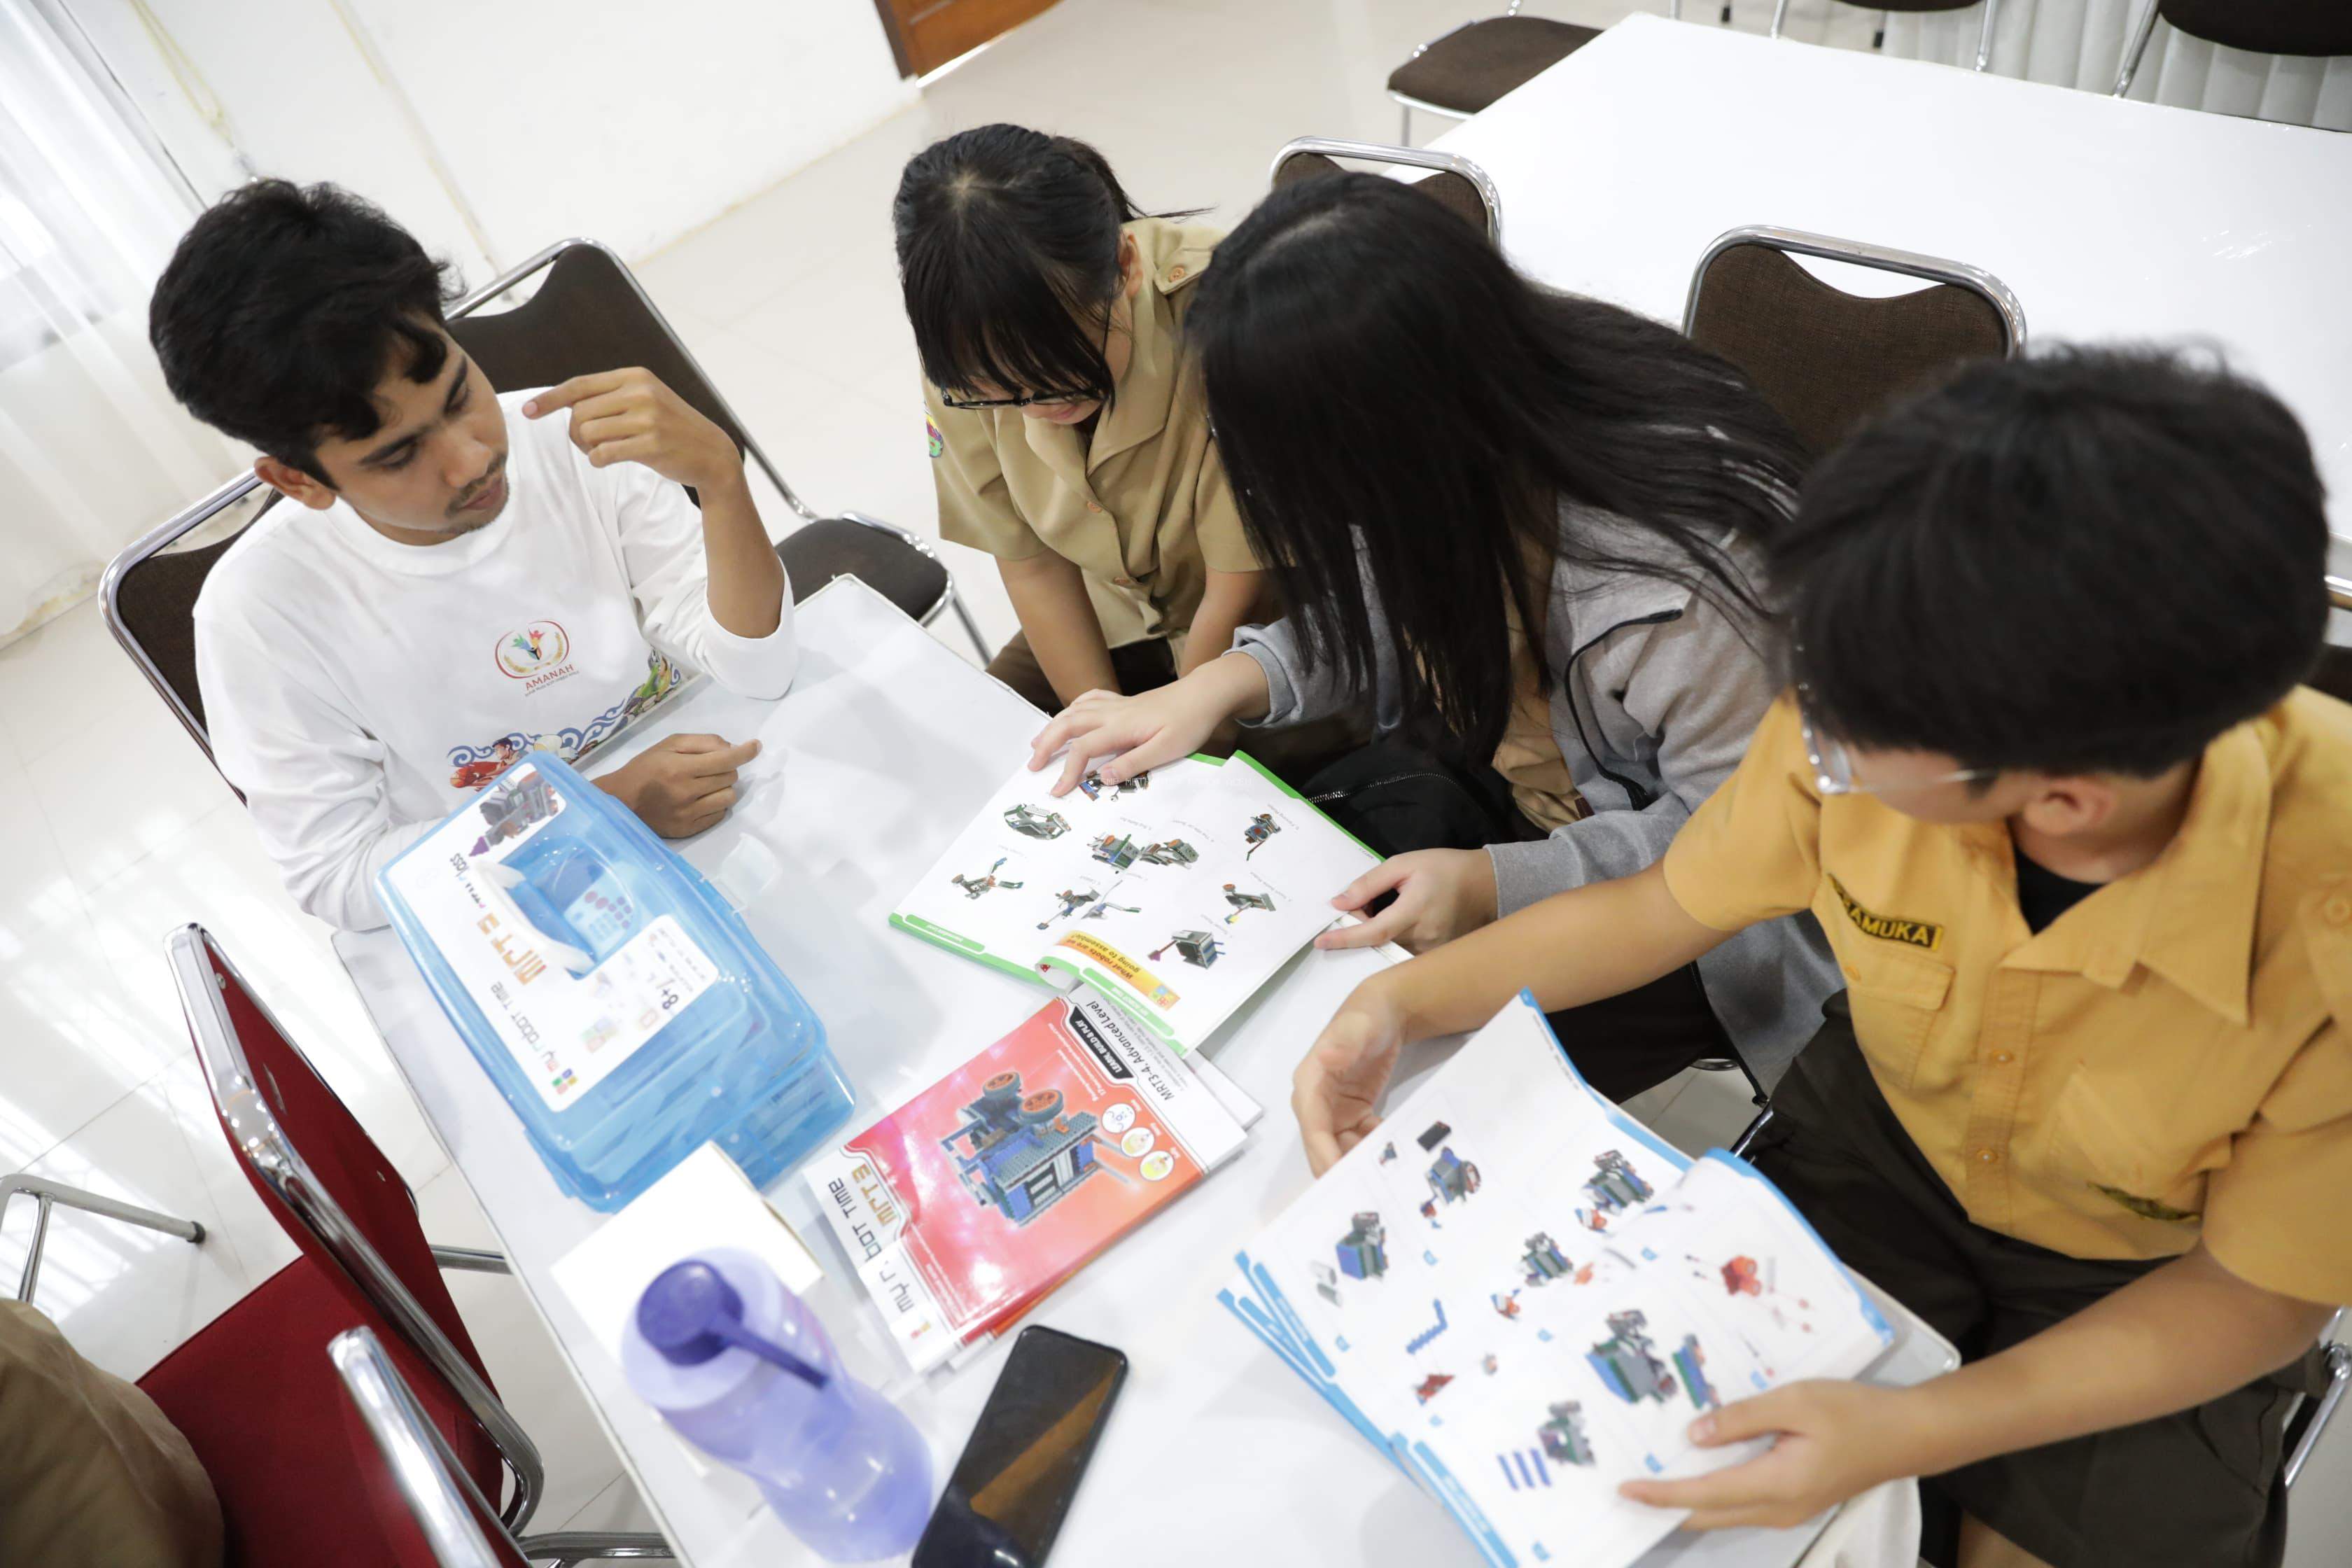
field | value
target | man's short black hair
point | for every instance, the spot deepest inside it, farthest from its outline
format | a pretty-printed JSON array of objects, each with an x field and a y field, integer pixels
[
  {"x": 284, "y": 308},
  {"x": 2093, "y": 560}
]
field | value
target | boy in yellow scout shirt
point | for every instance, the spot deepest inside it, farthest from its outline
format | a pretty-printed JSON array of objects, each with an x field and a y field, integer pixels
[
  {"x": 2083, "y": 850},
  {"x": 1068, "y": 437}
]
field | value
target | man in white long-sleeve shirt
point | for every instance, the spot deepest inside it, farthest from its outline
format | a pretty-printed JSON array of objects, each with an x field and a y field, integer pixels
[{"x": 468, "y": 576}]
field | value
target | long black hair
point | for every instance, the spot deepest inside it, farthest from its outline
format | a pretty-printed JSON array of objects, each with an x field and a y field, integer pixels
[
  {"x": 1380, "y": 379},
  {"x": 1008, "y": 256}
]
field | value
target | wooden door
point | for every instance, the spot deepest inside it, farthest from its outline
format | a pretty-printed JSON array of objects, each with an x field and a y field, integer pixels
[{"x": 927, "y": 34}]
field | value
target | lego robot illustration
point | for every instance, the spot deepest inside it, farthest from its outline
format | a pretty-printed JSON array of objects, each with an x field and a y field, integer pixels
[
  {"x": 1543, "y": 1259},
  {"x": 1614, "y": 1186},
  {"x": 1436, "y": 1133},
  {"x": 1245, "y": 902},
  {"x": 1118, "y": 853},
  {"x": 1262, "y": 828},
  {"x": 1092, "y": 785},
  {"x": 1451, "y": 1178},
  {"x": 1364, "y": 1250},
  {"x": 1102, "y": 907},
  {"x": 1631, "y": 1368},
  {"x": 1033, "y": 825},
  {"x": 1201, "y": 949},
  {"x": 1564, "y": 1438},
  {"x": 1327, "y": 1281},
  {"x": 1426, "y": 1389},
  {"x": 1071, "y": 899},
  {"x": 1740, "y": 1278},
  {"x": 1019, "y": 1154},
  {"x": 1175, "y": 852},
  {"x": 987, "y": 882},
  {"x": 515, "y": 806}
]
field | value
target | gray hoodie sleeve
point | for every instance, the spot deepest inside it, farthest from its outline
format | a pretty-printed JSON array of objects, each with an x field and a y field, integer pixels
[
  {"x": 1297, "y": 692},
  {"x": 1696, "y": 690}
]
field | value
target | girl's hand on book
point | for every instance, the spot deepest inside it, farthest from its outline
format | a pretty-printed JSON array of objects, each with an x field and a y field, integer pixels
[
  {"x": 1831, "y": 1441},
  {"x": 1440, "y": 895},
  {"x": 1139, "y": 733},
  {"x": 1336, "y": 1093}
]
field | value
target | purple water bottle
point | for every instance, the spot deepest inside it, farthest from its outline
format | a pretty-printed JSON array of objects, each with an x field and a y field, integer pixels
[{"x": 744, "y": 1372}]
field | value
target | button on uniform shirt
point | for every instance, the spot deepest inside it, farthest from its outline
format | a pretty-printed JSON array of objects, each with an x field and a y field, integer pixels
[
  {"x": 1143, "y": 508},
  {"x": 2170, "y": 1057}
]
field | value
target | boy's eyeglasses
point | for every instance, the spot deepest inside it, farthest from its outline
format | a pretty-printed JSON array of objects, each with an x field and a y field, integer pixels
[
  {"x": 1083, "y": 395},
  {"x": 1833, "y": 765}
]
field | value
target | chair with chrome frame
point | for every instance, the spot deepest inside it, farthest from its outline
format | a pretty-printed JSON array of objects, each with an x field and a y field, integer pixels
[
  {"x": 257, "y": 1437},
  {"x": 1827, "y": 359},
  {"x": 1455, "y": 182},
  {"x": 437, "y": 1516},
  {"x": 346, "y": 1207},
  {"x": 1886, "y": 9},
  {"x": 1460, "y": 73},
  {"x": 2297, "y": 28},
  {"x": 588, "y": 313}
]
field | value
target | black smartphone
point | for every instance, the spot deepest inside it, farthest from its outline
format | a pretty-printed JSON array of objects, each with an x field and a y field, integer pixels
[{"x": 1005, "y": 1504}]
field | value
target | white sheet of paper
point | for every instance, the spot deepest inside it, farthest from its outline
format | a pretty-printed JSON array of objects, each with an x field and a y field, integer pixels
[{"x": 706, "y": 1202}]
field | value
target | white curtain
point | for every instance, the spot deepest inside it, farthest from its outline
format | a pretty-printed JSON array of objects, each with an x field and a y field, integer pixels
[
  {"x": 93, "y": 451},
  {"x": 2080, "y": 43}
]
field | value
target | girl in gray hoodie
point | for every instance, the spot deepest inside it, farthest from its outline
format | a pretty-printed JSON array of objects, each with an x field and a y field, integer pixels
[{"x": 1521, "y": 529}]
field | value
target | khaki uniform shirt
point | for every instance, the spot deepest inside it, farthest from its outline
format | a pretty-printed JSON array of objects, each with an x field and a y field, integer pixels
[
  {"x": 2170, "y": 1057},
  {"x": 1542, "y": 787},
  {"x": 1144, "y": 511}
]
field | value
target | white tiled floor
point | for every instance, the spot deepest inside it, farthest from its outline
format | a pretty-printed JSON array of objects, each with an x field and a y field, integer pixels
[{"x": 113, "y": 829}]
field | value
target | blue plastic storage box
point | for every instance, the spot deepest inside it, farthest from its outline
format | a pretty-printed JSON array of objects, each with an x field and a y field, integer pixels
[{"x": 616, "y": 1002}]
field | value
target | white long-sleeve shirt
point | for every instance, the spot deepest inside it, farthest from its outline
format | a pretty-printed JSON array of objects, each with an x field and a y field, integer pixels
[{"x": 358, "y": 689}]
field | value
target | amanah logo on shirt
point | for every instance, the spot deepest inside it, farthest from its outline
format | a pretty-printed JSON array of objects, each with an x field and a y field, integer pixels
[
  {"x": 472, "y": 767},
  {"x": 1888, "y": 928},
  {"x": 538, "y": 654}
]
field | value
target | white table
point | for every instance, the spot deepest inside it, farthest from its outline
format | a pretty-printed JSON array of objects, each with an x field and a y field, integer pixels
[
  {"x": 890, "y": 743},
  {"x": 2109, "y": 219}
]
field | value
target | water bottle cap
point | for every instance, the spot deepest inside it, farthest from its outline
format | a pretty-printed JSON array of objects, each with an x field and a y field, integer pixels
[
  {"x": 681, "y": 1312},
  {"x": 690, "y": 1313}
]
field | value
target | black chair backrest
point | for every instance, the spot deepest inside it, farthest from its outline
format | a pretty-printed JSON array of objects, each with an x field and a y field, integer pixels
[
  {"x": 586, "y": 316},
  {"x": 1446, "y": 188},
  {"x": 2320, "y": 28},
  {"x": 1826, "y": 359},
  {"x": 2334, "y": 675}
]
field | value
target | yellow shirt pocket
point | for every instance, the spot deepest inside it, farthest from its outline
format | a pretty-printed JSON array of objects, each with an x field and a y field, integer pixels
[
  {"x": 1895, "y": 996},
  {"x": 2118, "y": 1155}
]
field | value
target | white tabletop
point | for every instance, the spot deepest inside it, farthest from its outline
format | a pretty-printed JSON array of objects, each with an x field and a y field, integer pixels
[
  {"x": 890, "y": 742},
  {"x": 2109, "y": 219}
]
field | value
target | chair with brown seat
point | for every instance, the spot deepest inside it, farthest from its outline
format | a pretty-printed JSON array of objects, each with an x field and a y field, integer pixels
[
  {"x": 586, "y": 313},
  {"x": 1886, "y": 9},
  {"x": 2298, "y": 28},
  {"x": 1827, "y": 359},
  {"x": 1454, "y": 181},
  {"x": 1464, "y": 71}
]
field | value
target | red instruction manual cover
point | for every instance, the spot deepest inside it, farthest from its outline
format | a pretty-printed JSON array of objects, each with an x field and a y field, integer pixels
[{"x": 974, "y": 1198}]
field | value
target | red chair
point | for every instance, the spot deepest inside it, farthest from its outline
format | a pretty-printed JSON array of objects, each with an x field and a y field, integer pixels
[
  {"x": 331, "y": 1188},
  {"x": 441, "y": 1518}
]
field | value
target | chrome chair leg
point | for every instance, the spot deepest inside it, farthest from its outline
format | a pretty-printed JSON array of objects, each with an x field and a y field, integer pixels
[
  {"x": 971, "y": 627},
  {"x": 562, "y": 1548},
  {"x": 46, "y": 1193},
  {"x": 1739, "y": 1146},
  {"x": 1984, "y": 35},
  {"x": 1780, "y": 15},
  {"x": 2136, "y": 47},
  {"x": 1879, "y": 38},
  {"x": 1404, "y": 127},
  {"x": 471, "y": 1261}
]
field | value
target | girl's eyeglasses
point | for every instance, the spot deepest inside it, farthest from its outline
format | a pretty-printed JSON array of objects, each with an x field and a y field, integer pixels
[
  {"x": 1833, "y": 765},
  {"x": 1084, "y": 394}
]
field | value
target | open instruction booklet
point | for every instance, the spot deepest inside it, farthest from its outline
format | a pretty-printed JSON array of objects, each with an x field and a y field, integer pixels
[
  {"x": 1175, "y": 894},
  {"x": 1523, "y": 1297}
]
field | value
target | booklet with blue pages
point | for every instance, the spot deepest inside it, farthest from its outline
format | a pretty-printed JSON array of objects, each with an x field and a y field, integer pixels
[{"x": 1522, "y": 1298}]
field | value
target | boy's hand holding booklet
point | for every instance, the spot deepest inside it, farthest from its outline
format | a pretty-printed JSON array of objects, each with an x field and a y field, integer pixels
[
  {"x": 1175, "y": 895},
  {"x": 1523, "y": 1297}
]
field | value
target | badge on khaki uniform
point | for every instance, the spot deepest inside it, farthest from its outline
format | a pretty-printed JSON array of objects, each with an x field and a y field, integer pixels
[
  {"x": 931, "y": 435},
  {"x": 1888, "y": 928}
]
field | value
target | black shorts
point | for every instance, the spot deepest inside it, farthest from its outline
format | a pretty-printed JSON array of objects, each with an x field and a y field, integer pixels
[{"x": 2199, "y": 1489}]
